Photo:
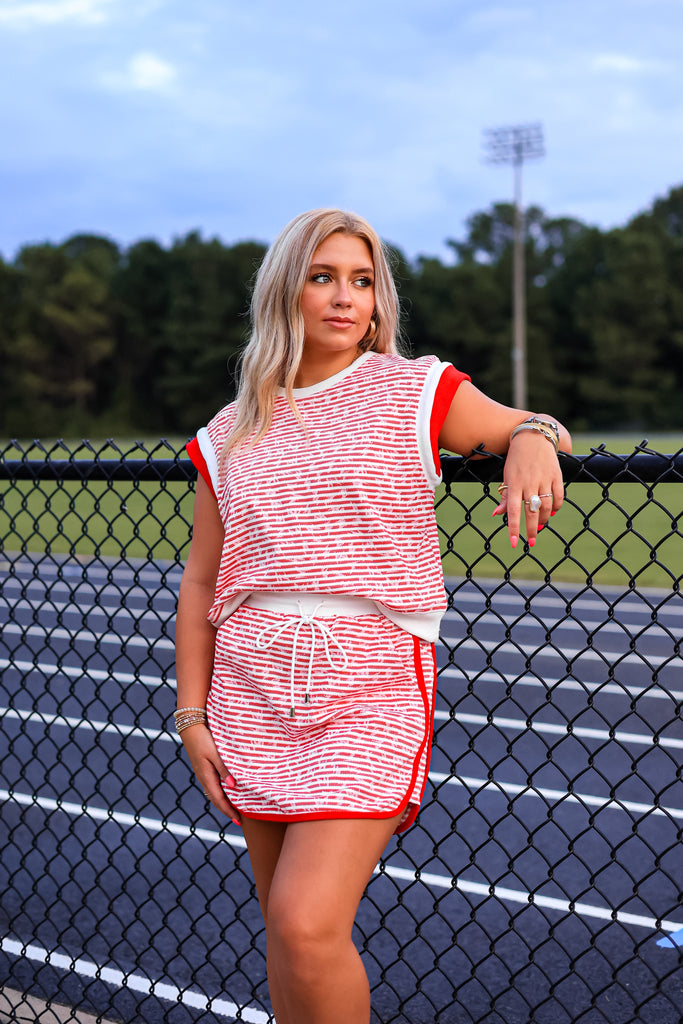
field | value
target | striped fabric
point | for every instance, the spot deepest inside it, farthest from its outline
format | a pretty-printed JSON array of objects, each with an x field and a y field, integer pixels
[
  {"x": 346, "y": 506},
  {"x": 359, "y": 748},
  {"x": 342, "y": 507}
]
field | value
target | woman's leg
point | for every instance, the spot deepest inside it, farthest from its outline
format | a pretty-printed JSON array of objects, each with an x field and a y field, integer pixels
[
  {"x": 311, "y": 897},
  {"x": 264, "y": 842}
]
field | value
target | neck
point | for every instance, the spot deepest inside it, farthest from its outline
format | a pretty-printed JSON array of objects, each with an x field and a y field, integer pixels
[{"x": 315, "y": 367}]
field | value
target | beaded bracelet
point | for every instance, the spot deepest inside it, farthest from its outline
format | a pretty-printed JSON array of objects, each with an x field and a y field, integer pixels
[{"x": 185, "y": 717}]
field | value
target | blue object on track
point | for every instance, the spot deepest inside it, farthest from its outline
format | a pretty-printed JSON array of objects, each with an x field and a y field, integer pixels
[{"x": 675, "y": 939}]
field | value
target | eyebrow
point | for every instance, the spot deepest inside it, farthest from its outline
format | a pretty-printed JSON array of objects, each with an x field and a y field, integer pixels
[{"x": 330, "y": 266}]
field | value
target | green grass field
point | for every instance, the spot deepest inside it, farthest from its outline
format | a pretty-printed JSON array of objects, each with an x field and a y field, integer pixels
[{"x": 612, "y": 537}]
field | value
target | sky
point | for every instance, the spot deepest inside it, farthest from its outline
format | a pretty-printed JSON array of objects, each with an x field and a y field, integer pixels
[{"x": 151, "y": 118}]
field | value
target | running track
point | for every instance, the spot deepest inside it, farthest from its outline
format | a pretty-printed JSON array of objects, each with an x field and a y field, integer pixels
[{"x": 548, "y": 849}]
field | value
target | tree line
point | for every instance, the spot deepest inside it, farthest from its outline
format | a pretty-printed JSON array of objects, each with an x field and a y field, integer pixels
[{"x": 99, "y": 339}]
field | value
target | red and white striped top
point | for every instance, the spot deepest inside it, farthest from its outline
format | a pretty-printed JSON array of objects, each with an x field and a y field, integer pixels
[{"x": 345, "y": 506}]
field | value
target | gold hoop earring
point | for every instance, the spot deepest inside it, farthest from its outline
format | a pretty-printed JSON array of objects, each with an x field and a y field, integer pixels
[{"x": 371, "y": 333}]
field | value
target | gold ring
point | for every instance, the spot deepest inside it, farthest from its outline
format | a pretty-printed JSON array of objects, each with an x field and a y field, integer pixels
[{"x": 502, "y": 487}]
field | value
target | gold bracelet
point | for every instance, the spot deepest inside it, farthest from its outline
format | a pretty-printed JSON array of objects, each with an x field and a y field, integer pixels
[{"x": 547, "y": 432}]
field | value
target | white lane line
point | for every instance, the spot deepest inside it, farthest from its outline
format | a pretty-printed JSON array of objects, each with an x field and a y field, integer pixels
[
  {"x": 531, "y": 898},
  {"x": 96, "y": 674},
  {"x": 90, "y": 725},
  {"x": 564, "y": 653},
  {"x": 403, "y": 874},
  {"x": 597, "y": 627},
  {"x": 485, "y": 617},
  {"x": 498, "y": 722},
  {"x": 490, "y": 618},
  {"x": 527, "y": 590},
  {"x": 45, "y": 803},
  {"x": 555, "y": 796},
  {"x": 47, "y": 604},
  {"x": 499, "y": 648},
  {"x": 88, "y": 636},
  {"x": 526, "y": 725},
  {"x": 657, "y": 691},
  {"x": 135, "y": 982},
  {"x": 473, "y": 784}
]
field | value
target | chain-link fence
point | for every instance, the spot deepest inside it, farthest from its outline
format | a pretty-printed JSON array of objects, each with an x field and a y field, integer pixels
[{"x": 542, "y": 882}]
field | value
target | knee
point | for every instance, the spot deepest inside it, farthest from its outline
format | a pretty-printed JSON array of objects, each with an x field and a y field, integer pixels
[{"x": 302, "y": 935}]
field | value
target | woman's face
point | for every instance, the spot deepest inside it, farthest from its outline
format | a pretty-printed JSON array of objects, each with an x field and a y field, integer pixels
[{"x": 338, "y": 298}]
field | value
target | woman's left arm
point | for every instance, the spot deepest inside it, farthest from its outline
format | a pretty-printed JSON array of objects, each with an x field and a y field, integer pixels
[{"x": 531, "y": 466}]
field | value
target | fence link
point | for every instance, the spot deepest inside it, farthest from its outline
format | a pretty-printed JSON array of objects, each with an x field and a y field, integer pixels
[{"x": 542, "y": 882}]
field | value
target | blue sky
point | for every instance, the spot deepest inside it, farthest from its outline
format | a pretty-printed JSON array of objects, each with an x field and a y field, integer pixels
[{"x": 149, "y": 118}]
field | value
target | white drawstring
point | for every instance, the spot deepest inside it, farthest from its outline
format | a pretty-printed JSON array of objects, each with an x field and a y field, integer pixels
[{"x": 297, "y": 622}]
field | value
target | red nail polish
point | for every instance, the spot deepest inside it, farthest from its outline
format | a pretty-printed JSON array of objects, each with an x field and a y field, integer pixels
[
  {"x": 532, "y": 542},
  {"x": 513, "y": 541}
]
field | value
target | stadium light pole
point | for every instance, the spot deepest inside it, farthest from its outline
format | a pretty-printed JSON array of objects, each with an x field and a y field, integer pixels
[{"x": 513, "y": 144}]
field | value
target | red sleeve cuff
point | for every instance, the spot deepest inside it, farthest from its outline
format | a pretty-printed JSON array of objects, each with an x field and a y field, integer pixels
[
  {"x": 449, "y": 382},
  {"x": 194, "y": 451}
]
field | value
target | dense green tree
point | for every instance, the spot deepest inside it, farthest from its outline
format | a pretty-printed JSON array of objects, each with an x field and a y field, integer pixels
[
  {"x": 95, "y": 338},
  {"x": 11, "y": 394},
  {"x": 64, "y": 331},
  {"x": 205, "y": 328}
]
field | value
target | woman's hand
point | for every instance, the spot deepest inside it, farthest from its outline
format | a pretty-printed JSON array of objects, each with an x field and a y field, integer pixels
[
  {"x": 531, "y": 467},
  {"x": 209, "y": 769}
]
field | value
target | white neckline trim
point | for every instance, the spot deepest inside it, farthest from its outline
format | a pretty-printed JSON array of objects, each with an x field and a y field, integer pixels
[{"x": 329, "y": 382}]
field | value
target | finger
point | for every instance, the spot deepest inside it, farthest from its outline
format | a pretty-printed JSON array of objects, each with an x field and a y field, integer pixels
[
  {"x": 501, "y": 507},
  {"x": 531, "y": 519},
  {"x": 546, "y": 508},
  {"x": 215, "y": 795},
  {"x": 514, "y": 507},
  {"x": 558, "y": 494},
  {"x": 222, "y": 769}
]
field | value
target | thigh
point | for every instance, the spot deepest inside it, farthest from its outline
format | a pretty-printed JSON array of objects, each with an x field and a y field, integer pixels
[
  {"x": 264, "y": 843},
  {"x": 323, "y": 868}
]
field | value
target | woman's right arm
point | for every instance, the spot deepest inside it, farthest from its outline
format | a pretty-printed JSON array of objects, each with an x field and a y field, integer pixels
[{"x": 195, "y": 639}]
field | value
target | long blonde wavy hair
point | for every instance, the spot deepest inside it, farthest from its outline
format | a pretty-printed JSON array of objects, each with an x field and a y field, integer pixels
[{"x": 272, "y": 356}]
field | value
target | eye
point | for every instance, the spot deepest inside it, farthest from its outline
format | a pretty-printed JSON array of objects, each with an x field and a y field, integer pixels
[
  {"x": 321, "y": 278},
  {"x": 364, "y": 282}
]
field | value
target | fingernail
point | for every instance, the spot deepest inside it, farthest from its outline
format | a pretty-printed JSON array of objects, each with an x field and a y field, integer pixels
[
  {"x": 540, "y": 527},
  {"x": 497, "y": 510},
  {"x": 553, "y": 513},
  {"x": 532, "y": 541},
  {"x": 229, "y": 782},
  {"x": 513, "y": 541}
]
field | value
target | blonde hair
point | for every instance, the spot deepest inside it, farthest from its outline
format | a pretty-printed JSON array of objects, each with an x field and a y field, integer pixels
[{"x": 272, "y": 356}]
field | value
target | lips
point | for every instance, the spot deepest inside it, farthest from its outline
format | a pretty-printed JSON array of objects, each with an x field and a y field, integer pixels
[{"x": 339, "y": 321}]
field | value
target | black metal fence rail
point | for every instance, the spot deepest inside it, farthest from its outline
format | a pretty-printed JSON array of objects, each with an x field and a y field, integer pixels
[{"x": 543, "y": 881}]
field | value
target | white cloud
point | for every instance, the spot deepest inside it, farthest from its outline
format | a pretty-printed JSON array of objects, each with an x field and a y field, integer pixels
[
  {"x": 34, "y": 13},
  {"x": 144, "y": 71},
  {"x": 147, "y": 71},
  {"x": 624, "y": 65}
]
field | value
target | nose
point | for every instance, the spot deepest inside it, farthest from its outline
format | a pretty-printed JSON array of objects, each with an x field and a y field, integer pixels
[{"x": 343, "y": 295}]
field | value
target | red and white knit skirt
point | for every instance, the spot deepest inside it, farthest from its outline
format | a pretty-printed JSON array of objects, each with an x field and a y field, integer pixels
[{"x": 322, "y": 708}]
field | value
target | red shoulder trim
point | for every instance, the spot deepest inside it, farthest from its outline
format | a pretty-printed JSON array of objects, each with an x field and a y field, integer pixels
[
  {"x": 194, "y": 451},
  {"x": 450, "y": 381}
]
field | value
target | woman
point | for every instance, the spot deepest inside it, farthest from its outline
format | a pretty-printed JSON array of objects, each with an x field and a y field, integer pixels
[{"x": 313, "y": 591}]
